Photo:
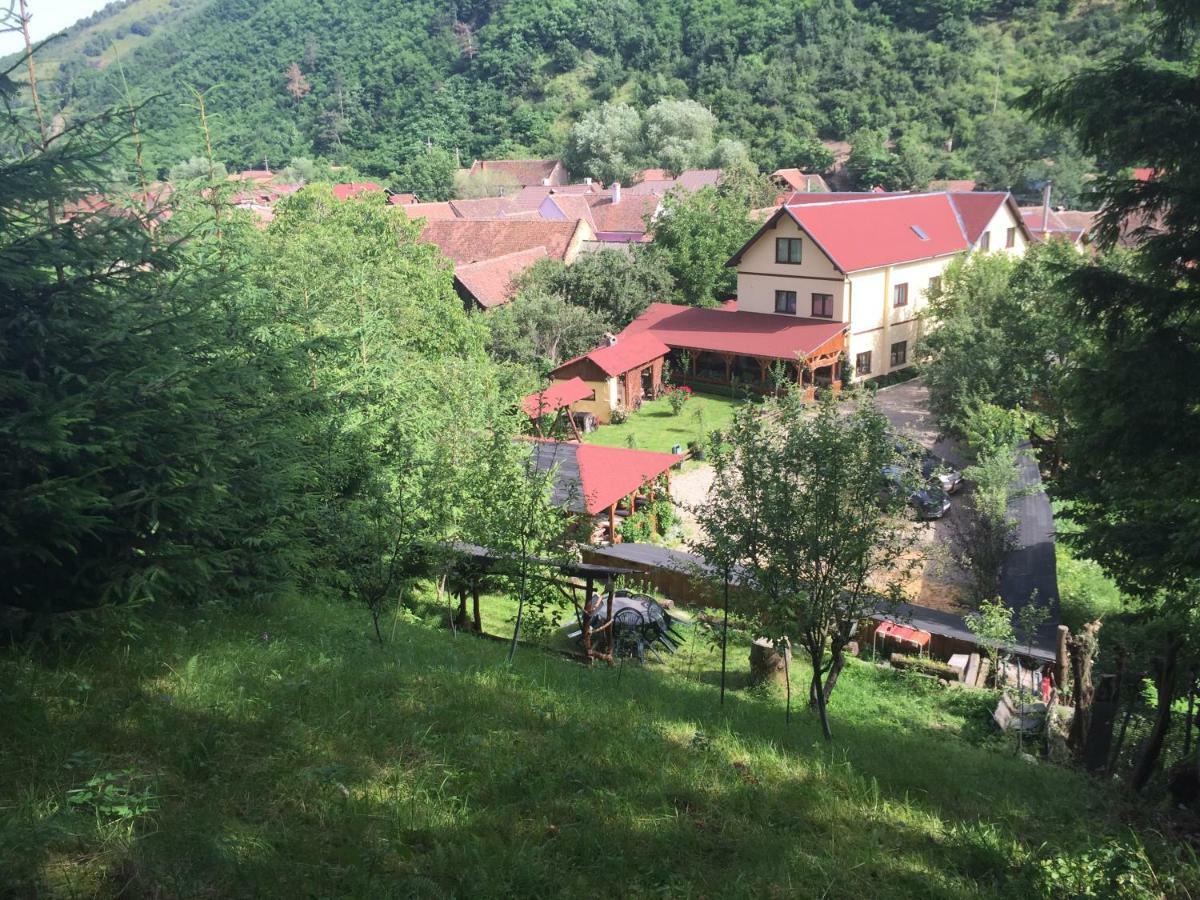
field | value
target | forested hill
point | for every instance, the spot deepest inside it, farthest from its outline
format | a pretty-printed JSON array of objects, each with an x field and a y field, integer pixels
[{"x": 366, "y": 82}]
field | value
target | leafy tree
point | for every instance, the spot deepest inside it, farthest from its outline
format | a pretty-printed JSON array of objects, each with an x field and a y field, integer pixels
[
  {"x": 195, "y": 168},
  {"x": 679, "y": 134},
  {"x": 871, "y": 163},
  {"x": 540, "y": 330},
  {"x": 606, "y": 143},
  {"x": 698, "y": 233},
  {"x": 796, "y": 506},
  {"x": 614, "y": 285},
  {"x": 805, "y": 153},
  {"x": 1003, "y": 337},
  {"x": 1132, "y": 471},
  {"x": 992, "y": 624},
  {"x": 428, "y": 173}
]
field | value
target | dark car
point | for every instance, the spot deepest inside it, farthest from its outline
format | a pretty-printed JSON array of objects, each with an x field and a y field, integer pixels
[
  {"x": 933, "y": 467},
  {"x": 929, "y": 502}
]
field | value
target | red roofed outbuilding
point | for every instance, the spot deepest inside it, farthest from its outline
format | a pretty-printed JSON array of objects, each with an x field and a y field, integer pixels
[{"x": 622, "y": 373}]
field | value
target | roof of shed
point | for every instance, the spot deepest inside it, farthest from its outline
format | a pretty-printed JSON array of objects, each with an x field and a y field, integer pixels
[
  {"x": 724, "y": 330},
  {"x": 590, "y": 478},
  {"x": 630, "y": 351}
]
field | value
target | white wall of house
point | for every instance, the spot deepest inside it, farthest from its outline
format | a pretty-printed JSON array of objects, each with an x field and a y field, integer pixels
[
  {"x": 760, "y": 276},
  {"x": 998, "y": 229},
  {"x": 876, "y": 323}
]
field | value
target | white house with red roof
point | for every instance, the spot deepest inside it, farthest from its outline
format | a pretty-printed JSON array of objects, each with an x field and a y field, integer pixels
[{"x": 868, "y": 261}]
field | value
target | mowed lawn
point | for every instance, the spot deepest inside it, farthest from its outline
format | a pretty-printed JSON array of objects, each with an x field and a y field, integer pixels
[
  {"x": 278, "y": 752},
  {"x": 656, "y": 427}
]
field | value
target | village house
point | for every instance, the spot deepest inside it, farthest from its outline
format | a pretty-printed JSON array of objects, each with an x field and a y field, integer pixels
[
  {"x": 829, "y": 289},
  {"x": 868, "y": 261}
]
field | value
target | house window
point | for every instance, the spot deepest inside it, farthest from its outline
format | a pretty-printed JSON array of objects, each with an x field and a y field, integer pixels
[
  {"x": 899, "y": 353},
  {"x": 862, "y": 363},
  {"x": 787, "y": 250},
  {"x": 785, "y": 302},
  {"x": 822, "y": 306},
  {"x": 1010, "y": 238},
  {"x": 935, "y": 284},
  {"x": 900, "y": 295},
  {"x": 985, "y": 241}
]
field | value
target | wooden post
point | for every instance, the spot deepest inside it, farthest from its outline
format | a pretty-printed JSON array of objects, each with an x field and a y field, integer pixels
[
  {"x": 612, "y": 525},
  {"x": 728, "y": 367},
  {"x": 475, "y": 604},
  {"x": 571, "y": 419},
  {"x": 610, "y": 586},
  {"x": 587, "y": 620}
]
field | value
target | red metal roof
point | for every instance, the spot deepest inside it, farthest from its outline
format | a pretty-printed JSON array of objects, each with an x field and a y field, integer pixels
[
  {"x": 883, "y": 230},
  {"x": 592, "y": 478},
  {"x": 630, "y": 351},
  {"x": 724, "y": 330},
  {"x": 555, "y": 396},
  {"x": 976, "y": 208}
]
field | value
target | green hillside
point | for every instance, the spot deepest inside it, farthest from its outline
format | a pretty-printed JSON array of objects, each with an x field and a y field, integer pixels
[
  {"x": 378, "y": 80},
  {"x": 280, "y": 753}
]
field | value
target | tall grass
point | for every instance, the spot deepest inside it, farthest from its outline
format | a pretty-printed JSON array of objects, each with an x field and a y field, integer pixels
[{"x": 282, "y": 753}]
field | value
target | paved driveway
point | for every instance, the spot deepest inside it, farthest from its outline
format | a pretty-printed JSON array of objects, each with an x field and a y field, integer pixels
[{"x": 907, "y": 408}]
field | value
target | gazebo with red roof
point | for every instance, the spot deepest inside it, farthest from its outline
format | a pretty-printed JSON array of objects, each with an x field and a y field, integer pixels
[
  {"x": 555, "y": 398},
  {"x": 590, "y": 479}
]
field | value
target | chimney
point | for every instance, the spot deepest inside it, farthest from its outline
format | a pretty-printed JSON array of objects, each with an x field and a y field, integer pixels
[
  {"x": 1046, "y": 208},
  {"x": 616, "y": 193},
  {"x": 610, "y": 338}
]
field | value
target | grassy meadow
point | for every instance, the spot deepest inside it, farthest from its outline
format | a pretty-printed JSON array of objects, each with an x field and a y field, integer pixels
[
  {"x": 279, "y": 752},
  {"x": 656, "y": 427}
]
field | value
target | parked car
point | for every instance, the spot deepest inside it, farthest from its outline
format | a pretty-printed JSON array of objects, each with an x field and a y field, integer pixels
[
  {"x": 933, "y": 467},
  {"x": 929, "y": 502}
]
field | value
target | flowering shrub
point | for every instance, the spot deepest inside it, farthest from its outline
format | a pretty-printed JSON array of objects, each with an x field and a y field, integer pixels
[{"x": 677, "y": 396}]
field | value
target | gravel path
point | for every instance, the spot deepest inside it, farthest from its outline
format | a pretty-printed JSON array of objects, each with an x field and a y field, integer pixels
[{"x": 689, "y": 489}]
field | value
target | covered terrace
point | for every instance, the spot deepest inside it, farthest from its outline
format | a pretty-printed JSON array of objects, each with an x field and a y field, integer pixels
[
  {"x": 593, "y": 480},
  {"x": 720, "y": 346}
]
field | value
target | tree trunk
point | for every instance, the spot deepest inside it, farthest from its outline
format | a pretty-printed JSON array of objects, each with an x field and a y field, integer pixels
[
  {"x": 1116, "y": 752},
  {"x": 1165, "y": 683},
  {"x": 818, "y": 691},
  {"x": 767, "y": 663},
  {"x": 835, "y": 669},
  {"x": 1100, "y": 728},
  {"x": 1081, "y": 651}
]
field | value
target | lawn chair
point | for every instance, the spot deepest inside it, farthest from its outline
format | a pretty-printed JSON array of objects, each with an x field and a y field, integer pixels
[
  {"x": 627, "y": 633},
  {"x": 656, "y": 628},
  {"x": 669, "y": 623}
]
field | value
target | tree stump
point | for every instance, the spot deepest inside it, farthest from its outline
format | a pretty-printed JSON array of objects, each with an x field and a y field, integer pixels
[{"x": 767, "y": 664}]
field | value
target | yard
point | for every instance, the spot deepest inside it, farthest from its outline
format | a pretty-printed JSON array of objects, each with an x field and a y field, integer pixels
[{"x": 656, "y": 427}]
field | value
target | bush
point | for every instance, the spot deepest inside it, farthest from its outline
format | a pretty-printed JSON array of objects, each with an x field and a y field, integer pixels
[
  {"x": 678, "y": 396},
  {"x": 619, "y": 416}
]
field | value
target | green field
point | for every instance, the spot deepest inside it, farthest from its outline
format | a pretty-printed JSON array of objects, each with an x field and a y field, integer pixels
[
  {"x": 279, "y": 752},
  {"x": 656, "y": 427}
]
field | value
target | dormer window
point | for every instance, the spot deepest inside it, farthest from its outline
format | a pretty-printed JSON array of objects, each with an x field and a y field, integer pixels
[{"x": 788, "y": 251}]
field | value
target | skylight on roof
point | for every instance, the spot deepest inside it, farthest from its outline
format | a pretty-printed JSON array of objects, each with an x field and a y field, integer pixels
[{"x": 920, "y": 232}]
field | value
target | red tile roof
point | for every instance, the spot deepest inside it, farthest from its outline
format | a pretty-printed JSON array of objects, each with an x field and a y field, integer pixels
[
  {"x": 431, "y": 211},
  {"x": 489, "y": 281},
  {"x": 402, "y": 199},
  {"x": 630, "y": 215},
  {"x": 484, "y": 207},
  {"x": 555, "y": 396},
  {"x": 354, "y": 188},
  {"x": 630, "y": 351},
  {"x": 954, "y": 185},
  {"x": 694, "y": 179},
  {"x": 591, "y": 478},
  {"x": 1070, "y": 225},
  {"x": 976, "y": 208},
  {"x": 522, "y": 171},
  {"x": 471, "y": 240},
  {"x": 573, "y": 206},
  {"x": 724, "y": 330},
  {"x": 799, "y": 180}
]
